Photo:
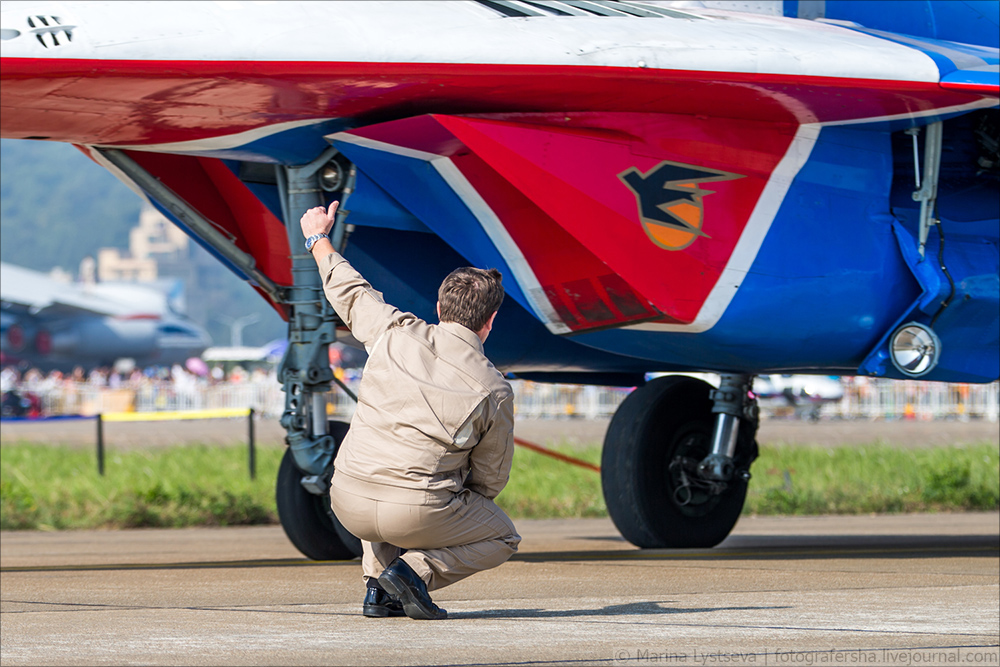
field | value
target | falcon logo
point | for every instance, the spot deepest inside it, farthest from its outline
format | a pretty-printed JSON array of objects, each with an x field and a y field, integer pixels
[{"x": 670, "y": 201}]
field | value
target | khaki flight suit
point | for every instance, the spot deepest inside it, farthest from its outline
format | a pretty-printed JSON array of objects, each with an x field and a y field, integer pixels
[{"x": 430, "y": 445}]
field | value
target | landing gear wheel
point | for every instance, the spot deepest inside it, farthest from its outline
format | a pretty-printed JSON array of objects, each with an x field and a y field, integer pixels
[
  {"x": 649, "y": 467},
  {"x": 308, "y": 519}
]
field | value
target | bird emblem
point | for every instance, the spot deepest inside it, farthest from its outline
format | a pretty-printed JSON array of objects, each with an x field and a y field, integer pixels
[{"x": 671, "y": 201}]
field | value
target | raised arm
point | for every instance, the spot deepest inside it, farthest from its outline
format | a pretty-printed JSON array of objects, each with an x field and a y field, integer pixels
[{"x": 360, "y": 306}]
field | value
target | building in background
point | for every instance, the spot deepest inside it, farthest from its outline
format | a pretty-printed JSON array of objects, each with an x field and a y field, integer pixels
[
  {"x": 155, "y": 241},
  {"x": 161, "y": 254}
]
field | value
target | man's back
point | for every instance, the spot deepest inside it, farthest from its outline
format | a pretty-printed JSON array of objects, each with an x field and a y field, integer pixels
[
  {"x": 428, "y": 411},
  {"x": 434, "y": 416}
]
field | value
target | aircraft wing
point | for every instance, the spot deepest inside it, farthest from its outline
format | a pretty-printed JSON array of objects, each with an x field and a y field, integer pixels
[
  {"x": 220, "y": 81},
  {"x": 40, "y": 295}
]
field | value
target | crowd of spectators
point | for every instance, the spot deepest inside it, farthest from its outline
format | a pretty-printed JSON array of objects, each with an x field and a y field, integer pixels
[
  {"x": 33, "y": 393},
  {"x": 125, "y": 387}
]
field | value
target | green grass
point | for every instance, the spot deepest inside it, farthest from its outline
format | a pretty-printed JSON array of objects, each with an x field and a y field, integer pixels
[
  {"x": 541, "y": 487},
  {"x": 51, "y": 488},
  {"x": 874, "y": 478}
]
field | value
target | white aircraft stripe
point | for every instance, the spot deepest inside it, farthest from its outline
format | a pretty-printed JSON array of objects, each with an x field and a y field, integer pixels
[
  {"x": 487, "y": 218},
  {"x": 511, "y": 253}
]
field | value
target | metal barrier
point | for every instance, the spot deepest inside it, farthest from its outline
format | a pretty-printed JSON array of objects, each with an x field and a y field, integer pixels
[
  {"x": 533, "y": 400},
  {"x": 177, "y": 415},
  {"x": 864, "y": 398}
]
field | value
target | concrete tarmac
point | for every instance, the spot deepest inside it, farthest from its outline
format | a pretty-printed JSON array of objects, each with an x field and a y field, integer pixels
[
  {"x": 571, "y": 432},
  {"x": 910, "y": 589}
]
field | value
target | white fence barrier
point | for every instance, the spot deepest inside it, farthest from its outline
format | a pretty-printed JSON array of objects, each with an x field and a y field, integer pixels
[
  {"x": 864, "y": 398},
  {"x": 533, "y": 400}
]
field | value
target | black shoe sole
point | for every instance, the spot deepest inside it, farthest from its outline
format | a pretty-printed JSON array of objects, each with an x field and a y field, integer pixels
[
  {"x": 380, "y": 611},
  {"x": 411, "y": 605}
]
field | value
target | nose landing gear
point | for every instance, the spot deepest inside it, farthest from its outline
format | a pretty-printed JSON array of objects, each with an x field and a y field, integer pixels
[{"x": 306, "y": 516}]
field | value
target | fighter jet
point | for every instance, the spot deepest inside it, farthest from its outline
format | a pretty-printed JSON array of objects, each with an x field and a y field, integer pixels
[
  {"x": 50, "y": 325},
  {"x": 666, "y": 187}
]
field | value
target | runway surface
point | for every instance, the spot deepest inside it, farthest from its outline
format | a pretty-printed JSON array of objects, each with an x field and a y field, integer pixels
[{"x": 912, "y": 589}]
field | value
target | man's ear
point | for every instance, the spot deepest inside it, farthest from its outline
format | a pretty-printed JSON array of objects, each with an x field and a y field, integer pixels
[
  {"x": 439, "y": 309},
  {"x": 489, "y": 324}
]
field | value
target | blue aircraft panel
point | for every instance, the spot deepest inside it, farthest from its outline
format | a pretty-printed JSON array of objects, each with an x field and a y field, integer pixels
[
  {"x": 967, "y": 21},
  {"x": 416, "y": 185},
  {"x": 386, "y": 259},
  {"x": 371, "y": 206},
  {"x": 295, "y": 146}
]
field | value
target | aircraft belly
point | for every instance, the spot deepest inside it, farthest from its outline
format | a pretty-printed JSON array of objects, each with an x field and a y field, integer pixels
[{"x": 836, "y": 275}]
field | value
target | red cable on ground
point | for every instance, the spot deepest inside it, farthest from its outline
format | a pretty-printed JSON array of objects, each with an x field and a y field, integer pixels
[{"x": 556, "y": 455}]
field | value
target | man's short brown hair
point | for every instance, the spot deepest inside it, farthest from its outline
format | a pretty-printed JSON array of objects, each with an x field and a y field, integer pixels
[{"x": 469, "y": 296}]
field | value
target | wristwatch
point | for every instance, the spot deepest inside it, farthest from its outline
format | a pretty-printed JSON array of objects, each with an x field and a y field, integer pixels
[{"x": 311, "y": 241}]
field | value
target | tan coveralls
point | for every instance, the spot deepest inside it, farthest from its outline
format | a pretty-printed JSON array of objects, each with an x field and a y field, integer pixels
[{"x": 430, "y": 445}]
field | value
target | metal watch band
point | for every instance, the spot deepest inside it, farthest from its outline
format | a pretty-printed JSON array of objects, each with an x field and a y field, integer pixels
[{"x": 311, "y": 241}]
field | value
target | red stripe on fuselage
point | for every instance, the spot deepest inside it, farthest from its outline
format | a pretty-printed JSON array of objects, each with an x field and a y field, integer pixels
[
  {"x": 989, "y": 89},
  {"x": 561, "y": 264},
  {"x": 122, "y": 102}
]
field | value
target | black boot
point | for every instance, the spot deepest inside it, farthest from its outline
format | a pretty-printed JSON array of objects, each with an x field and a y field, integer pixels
[
  {"x": 379, "y": 604},
  {"x": 400, "y": 580}
]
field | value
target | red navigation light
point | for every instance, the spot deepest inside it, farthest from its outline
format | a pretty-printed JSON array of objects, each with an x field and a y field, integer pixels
[
  {"x": 43, "y": 342},
  {"x": 15, "y": 336}
]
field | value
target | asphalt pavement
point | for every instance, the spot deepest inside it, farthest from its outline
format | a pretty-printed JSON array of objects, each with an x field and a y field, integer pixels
[
  {"x": 910, "y": 589},
  {"x": 570, "y": 432}
]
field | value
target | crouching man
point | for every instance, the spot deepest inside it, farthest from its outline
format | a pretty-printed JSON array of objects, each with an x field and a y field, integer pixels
[{"x": 431, "y": 442}]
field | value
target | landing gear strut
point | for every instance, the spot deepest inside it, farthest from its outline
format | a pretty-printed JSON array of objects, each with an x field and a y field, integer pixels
[
  {"x": 676, "y": 461},
  {"x": 304, "y": 477},
  {"x": 730, "y": 405}
]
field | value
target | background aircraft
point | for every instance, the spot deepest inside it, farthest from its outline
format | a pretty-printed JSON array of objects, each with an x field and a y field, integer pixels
[
  {"x": 53, "y": 325},
  {"x": 803, "y": 395},
  {"x": 810, "y": 188}
]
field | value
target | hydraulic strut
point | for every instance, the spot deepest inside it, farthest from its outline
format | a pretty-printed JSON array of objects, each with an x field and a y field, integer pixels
[{"x": 731, "y": 402}]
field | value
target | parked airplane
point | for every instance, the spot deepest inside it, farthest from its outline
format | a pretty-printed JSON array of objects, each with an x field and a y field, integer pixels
[
  {"x": 808, "y": 188},
  {"x": 53, "y": 325},
  {"x": 803, "y": 395},
  {"x": 800, "y": 395}
]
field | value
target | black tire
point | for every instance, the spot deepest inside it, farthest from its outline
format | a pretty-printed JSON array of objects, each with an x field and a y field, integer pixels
[
  {"x": 669, "y": 417},
  {"x": 308, "y": 519}
]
